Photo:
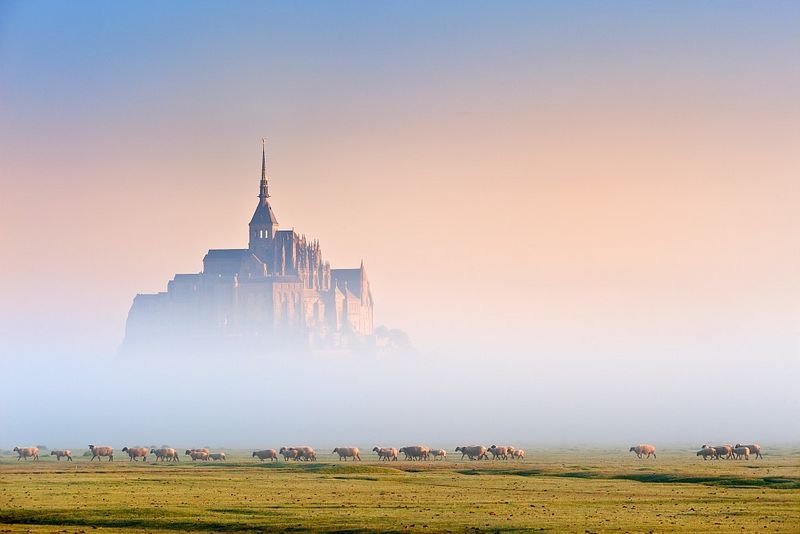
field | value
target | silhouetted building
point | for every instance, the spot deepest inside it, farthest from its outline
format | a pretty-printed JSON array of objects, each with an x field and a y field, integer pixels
[{"x": 278, "y": 288}]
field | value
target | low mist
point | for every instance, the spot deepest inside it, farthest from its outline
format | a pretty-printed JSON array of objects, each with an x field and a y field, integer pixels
[{"x": 558, "y": 394}]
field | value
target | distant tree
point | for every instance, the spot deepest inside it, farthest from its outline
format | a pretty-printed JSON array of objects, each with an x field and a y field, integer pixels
[
  {"x": 87, "y": 453},
  {"x": 392, "y": 339},
  {"x": 43, "y": 447}
]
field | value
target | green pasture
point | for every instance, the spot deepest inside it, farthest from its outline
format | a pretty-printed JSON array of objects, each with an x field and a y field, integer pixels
[{"x": 567, "y": 490}]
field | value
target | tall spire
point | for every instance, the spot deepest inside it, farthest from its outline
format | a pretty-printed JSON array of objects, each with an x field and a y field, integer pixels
[
  {"x": 264, "y": 224},
  {"x": 263, "y": 192}
]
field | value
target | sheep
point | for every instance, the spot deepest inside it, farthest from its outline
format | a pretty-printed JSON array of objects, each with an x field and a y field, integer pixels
[
  {"x": 59, "y": 453},
  {"x": 27, "y": 452},
  {"x": 100, "y": 451},
  {"x": 289, "y": 453},
  {"x": 722, "y": 450},
  {"x": 707, "y": 452},
  {"x": 197, "y": 454},
  {"x": 438, "y": 453},
  {"x": 136, "y": 452},
  {"x": 165, "y": 454},
  {"x": 415, "y": 452},
  {"x": 754, "y": 449},
  {"x": 517, "y": 454},
  {"x": 473, "y": 452},
  {"x": 386, "y": 453},
  {"x": 266, "y": 454},
  {"x": 740, "y": 452},
  {"x": 347, "y": 452},
  {"x": 499, "y": 452},
  {"x": 217, "y": 456},
  {"x": 304, "y": 454},
  {"x": 644, "y": 449}
]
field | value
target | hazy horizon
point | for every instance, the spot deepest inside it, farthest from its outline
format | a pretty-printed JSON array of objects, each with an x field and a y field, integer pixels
[{"x": 584, "y": 215}]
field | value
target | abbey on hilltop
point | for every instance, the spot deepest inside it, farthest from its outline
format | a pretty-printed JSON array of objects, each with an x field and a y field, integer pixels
[{"x": 279, "y": 289}]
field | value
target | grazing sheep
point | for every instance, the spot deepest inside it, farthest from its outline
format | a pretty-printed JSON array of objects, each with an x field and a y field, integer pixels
[
  {"x": 100, "y": 451},
  {"x": 386, "y": 453},
  {"x": 65, "y": 453},
  {"x": 27, "y": 452},
  {"x": 305, "y": 454},
  {"x": 722, "y": 450},
  {"x": 754, "y": 449},
  {"x": 473, "y": 452},
  {"x": 644, "y": 449},
  {"x": 266, "y": 454},
  {"x": 347, "y": 452},
  {"x": 289, "y": 453},
  {"x": 197, "y": 454},
  {"x": 415, "y": 452},
  {"x": 517, "y": 454},
  {"x": 136, "y": 452},
  {"x": 499, "y": 452},
  {"x": 438, "y": 453},
  {"x": 217, "y": 456},
  {"x": 707, "y": 452},
  {"x": 740, "y": 452},
  {"x": 165, "y": 454}
]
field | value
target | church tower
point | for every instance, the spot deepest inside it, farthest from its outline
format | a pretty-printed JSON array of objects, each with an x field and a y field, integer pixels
[{"x": 264, "y": 224}]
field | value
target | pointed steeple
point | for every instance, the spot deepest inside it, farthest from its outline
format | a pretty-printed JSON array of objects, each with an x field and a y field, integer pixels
[
  {"x": 263, "y": 193},
  {"x": 263, "y": 224}
]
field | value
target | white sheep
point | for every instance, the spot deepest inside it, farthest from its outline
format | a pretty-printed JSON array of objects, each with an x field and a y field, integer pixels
[
  {"x": 707, "y": 452},
  {"x": 644, "y": 449},
  {"x": 27, "y": 452},
  {"x": 347, "y": 452},
  {"x": 62, "y": 453},
  {"x": 740, "y": 452},
  {"x": 473, "y": 452},
  {"x": 755, "y": 448},
  {"x": 136, "y": 452},
  {"x": 266, "y": 454},
  {"x": 386, "y": 453},
  {"x": 100, "y": 451}
]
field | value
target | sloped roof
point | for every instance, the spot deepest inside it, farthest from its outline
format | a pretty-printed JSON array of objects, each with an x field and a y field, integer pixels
[
  {"x": 227, "y": 254},
  {"x": 264, "y": 214},
  {"x": 227, "y": 261},
  {"x": 349, "y": 279}
]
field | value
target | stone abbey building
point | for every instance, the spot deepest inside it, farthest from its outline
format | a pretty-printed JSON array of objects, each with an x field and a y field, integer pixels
[{"x": 279, "y": 288}]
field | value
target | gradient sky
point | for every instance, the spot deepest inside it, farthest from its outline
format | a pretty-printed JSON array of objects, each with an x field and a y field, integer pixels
[{"x": 591, "y": 183}]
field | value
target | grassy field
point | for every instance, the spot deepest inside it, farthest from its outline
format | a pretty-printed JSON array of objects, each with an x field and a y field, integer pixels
[{"x": 581, "y": 491}]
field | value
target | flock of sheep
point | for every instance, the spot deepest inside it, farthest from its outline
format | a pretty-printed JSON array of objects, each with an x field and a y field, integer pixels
[
  {"x": 164, "y": 454},
  {"x": 414, "y": 452},
  {"x": 305, "y": 454},
  {"x": 736, "y": 452}
]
